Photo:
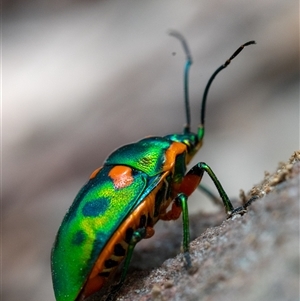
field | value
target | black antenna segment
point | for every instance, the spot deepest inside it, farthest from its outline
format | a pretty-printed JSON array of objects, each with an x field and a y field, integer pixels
[{"x": 213, "y": 77}]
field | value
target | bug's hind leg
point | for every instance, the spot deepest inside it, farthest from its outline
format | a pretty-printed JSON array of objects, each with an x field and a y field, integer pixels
[{"x": 137, "y": 236}]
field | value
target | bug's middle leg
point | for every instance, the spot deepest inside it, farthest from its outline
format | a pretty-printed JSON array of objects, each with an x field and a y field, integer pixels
[
  {"x": 179, "y": 206},
  {"x": 189, "y": 183}
]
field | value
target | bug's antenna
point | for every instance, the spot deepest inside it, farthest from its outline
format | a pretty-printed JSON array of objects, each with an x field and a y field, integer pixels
[
  {"x": 188, "y": 64},
  {"x": 202, "y": 118}
]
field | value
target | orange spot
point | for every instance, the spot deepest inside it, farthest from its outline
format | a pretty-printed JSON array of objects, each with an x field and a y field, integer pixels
[
  {"x": 176, "y": 148},
  {"x": 94, "y": 173},
  {"x": 121, "y": 176}
]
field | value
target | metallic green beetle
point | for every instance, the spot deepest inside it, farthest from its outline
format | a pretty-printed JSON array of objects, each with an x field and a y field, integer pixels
[{"x": 123, "y": 200}]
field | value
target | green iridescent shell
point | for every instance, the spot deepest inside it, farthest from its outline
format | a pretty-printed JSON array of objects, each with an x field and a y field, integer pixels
[{"x": 97, "y": 212}]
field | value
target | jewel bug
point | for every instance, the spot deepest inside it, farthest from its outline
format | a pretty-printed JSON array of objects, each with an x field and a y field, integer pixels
[{"x": 123, "y": 200}]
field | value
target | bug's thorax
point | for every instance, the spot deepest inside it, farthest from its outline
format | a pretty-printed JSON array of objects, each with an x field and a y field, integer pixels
[{"x": 190, "y": 140}]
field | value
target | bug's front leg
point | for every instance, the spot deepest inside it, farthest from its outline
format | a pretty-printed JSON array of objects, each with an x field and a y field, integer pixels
[
  {"x": 243, "y": 209},
  {"x": 230, "y": 210},
  {"x": 189, "y": 183},
  {"x": 197, "y": 172},
  {"x": 199, "y": 169}
]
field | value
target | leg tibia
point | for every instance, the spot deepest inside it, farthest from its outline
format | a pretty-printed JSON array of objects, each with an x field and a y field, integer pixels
[{"x": 198, "y": 170}]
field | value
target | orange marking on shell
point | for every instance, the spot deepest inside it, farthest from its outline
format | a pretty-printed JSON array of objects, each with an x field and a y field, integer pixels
[
  {"x": 121, "y": 176},
  {"x": 175, "y": 149},
  {"x": 94, "y": 173}
]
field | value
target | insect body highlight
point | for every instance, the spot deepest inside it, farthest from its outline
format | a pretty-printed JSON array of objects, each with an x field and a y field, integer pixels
[{"x": 124, "y": 199}]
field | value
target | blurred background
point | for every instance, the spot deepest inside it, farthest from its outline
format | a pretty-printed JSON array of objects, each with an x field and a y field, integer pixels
[{"x": 81, "y": 78}]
